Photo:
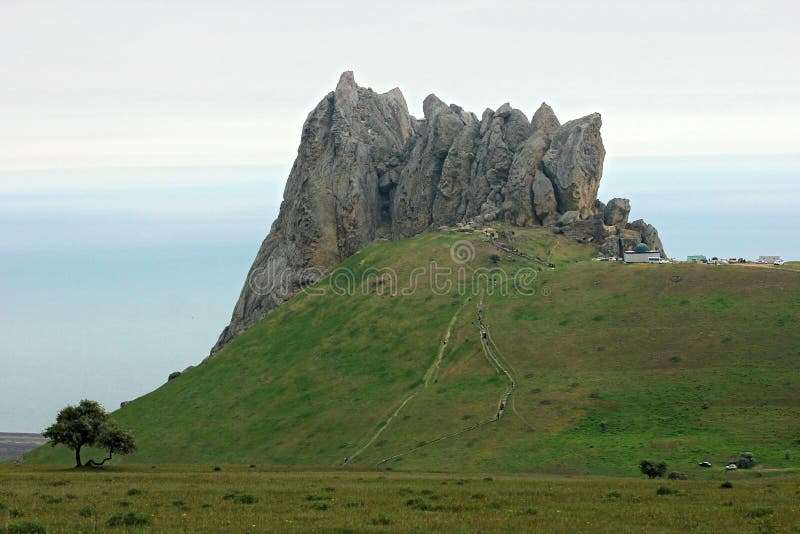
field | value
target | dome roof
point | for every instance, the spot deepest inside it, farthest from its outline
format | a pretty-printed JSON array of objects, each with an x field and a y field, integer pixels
[{"x": 641, "y": 247}]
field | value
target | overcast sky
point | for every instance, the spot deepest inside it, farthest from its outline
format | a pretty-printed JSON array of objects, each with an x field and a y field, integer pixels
[
  {"x": 105, "y": 83},
  {"x": 144, "y": 147}
]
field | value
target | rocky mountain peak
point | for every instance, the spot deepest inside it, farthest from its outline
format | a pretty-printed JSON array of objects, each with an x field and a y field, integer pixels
[{"x": 366, "y": 168}]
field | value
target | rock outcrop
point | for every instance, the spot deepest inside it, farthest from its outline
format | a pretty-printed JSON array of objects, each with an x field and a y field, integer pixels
[
  {"x": 367, "y": 169},
  {"x": 616, "y": 212}
]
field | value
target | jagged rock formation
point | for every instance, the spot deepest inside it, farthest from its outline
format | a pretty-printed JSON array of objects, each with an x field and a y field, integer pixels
[{"x": 367, "y": 169}]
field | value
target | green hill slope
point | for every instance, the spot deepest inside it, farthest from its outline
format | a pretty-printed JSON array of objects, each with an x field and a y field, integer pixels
[{"x": 610, "y": 364}]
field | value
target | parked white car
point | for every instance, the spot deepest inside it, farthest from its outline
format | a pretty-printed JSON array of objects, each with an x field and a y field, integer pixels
[
  {"x": 731, "y": 467},
  {"x": 778, "y": 262}
]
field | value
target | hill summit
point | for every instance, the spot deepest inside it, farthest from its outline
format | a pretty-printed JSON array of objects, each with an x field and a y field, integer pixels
[{"x": 366, "y": 169}]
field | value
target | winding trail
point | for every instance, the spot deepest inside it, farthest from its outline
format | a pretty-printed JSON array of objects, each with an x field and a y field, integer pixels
[
  {"x": 494, "y": 358},
  {"x": 430, "y": 375},
  {"x": 492, "y": 354},
  {"x": 515, "y": 251}
]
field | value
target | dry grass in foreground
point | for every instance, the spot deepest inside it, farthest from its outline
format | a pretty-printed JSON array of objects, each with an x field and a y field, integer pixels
[{"x": 247, "y": 499}]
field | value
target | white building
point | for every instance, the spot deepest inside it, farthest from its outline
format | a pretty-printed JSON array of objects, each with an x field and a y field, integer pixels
[
  {"x": 642, "y": 254},
  {"x": 649, "y": 256},
  {"x": 768, "y": 259}
]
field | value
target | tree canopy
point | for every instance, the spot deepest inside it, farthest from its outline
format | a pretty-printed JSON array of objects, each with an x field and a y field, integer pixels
[{"x": 88, "y": 424}]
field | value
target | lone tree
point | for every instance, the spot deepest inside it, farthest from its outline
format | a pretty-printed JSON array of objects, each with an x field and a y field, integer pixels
[
  {"x": 652, "y": 469},
  {"x": 87, "y": 424}
]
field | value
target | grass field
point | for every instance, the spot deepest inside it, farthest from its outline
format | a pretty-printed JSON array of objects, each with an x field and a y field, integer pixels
[
  {"x": 249, "y": 499},
  {"x": 613, "y": 364}
]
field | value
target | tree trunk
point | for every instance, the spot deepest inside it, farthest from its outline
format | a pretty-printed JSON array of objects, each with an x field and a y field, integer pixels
[
  {"x": 78, "y": 457},
  {"x": 92, "y": 463}
]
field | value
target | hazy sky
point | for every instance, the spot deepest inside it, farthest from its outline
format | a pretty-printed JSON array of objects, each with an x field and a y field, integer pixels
[
  {"x": 108, "y": 83},
  {"x": 144, "y": 147}
]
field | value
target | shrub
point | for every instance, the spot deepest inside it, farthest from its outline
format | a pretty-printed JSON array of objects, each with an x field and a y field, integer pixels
[
  {"x": 173, "y": 375},
  {"x": 240, "y": 498},
  {"x": 134, "y": 491},
  {"x": 677, "y": 475},
  {"x": 417, "y": 504},
  {"x": 755, "y": 513},
  {"x": 652, "y": 469},
  {"x": 86, "y": 511},
  {"x": 26, "y": 527},
  {"x": 745, "y": 460},
  {"x": 727, "y": 484},
  {"x": 131, "y": 519},
  {"x": 662, "y": 490},
  {"x": 381, "y": 520}
]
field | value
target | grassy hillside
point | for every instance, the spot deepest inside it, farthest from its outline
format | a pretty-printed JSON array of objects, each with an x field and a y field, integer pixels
[{"x": 612, "y": 363}]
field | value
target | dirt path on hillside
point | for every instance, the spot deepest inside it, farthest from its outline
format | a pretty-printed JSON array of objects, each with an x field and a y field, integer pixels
[
  {"x": 514, "y": 373},
  {"x": 495, "y": 360},
  {"x": 516, "y": 252},
  {"x": 430, "y": 376},
  {"x": 492, "y": 354}
]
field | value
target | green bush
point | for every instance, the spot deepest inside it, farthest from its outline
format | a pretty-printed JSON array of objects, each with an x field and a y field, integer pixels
[
  {"x": 652, "y": 469},
  {"x": 755, "y": 513},
  {"x": 26, "y": 527},
  {"x": 417, "y": 504},
  {"x": 745, "y": 460},
  {"x": 131, "y": 519},
  {"x": 726, "y": 485},
  {"x": 86, "y": 511},
  {"x": 240, "y": 498},
  {"x": 381, "y": 520}
]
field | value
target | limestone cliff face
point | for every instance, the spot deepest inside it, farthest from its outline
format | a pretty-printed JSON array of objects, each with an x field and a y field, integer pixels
[{"x": 366, "y": 169}]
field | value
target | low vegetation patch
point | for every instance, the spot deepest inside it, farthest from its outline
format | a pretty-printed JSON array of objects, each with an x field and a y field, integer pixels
[
  {"x": 240, "y": 498},
  {"x": 131, "y": 519},
  {"x": 756, "y": 513},
  {"x": 25, "y": 527}
]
